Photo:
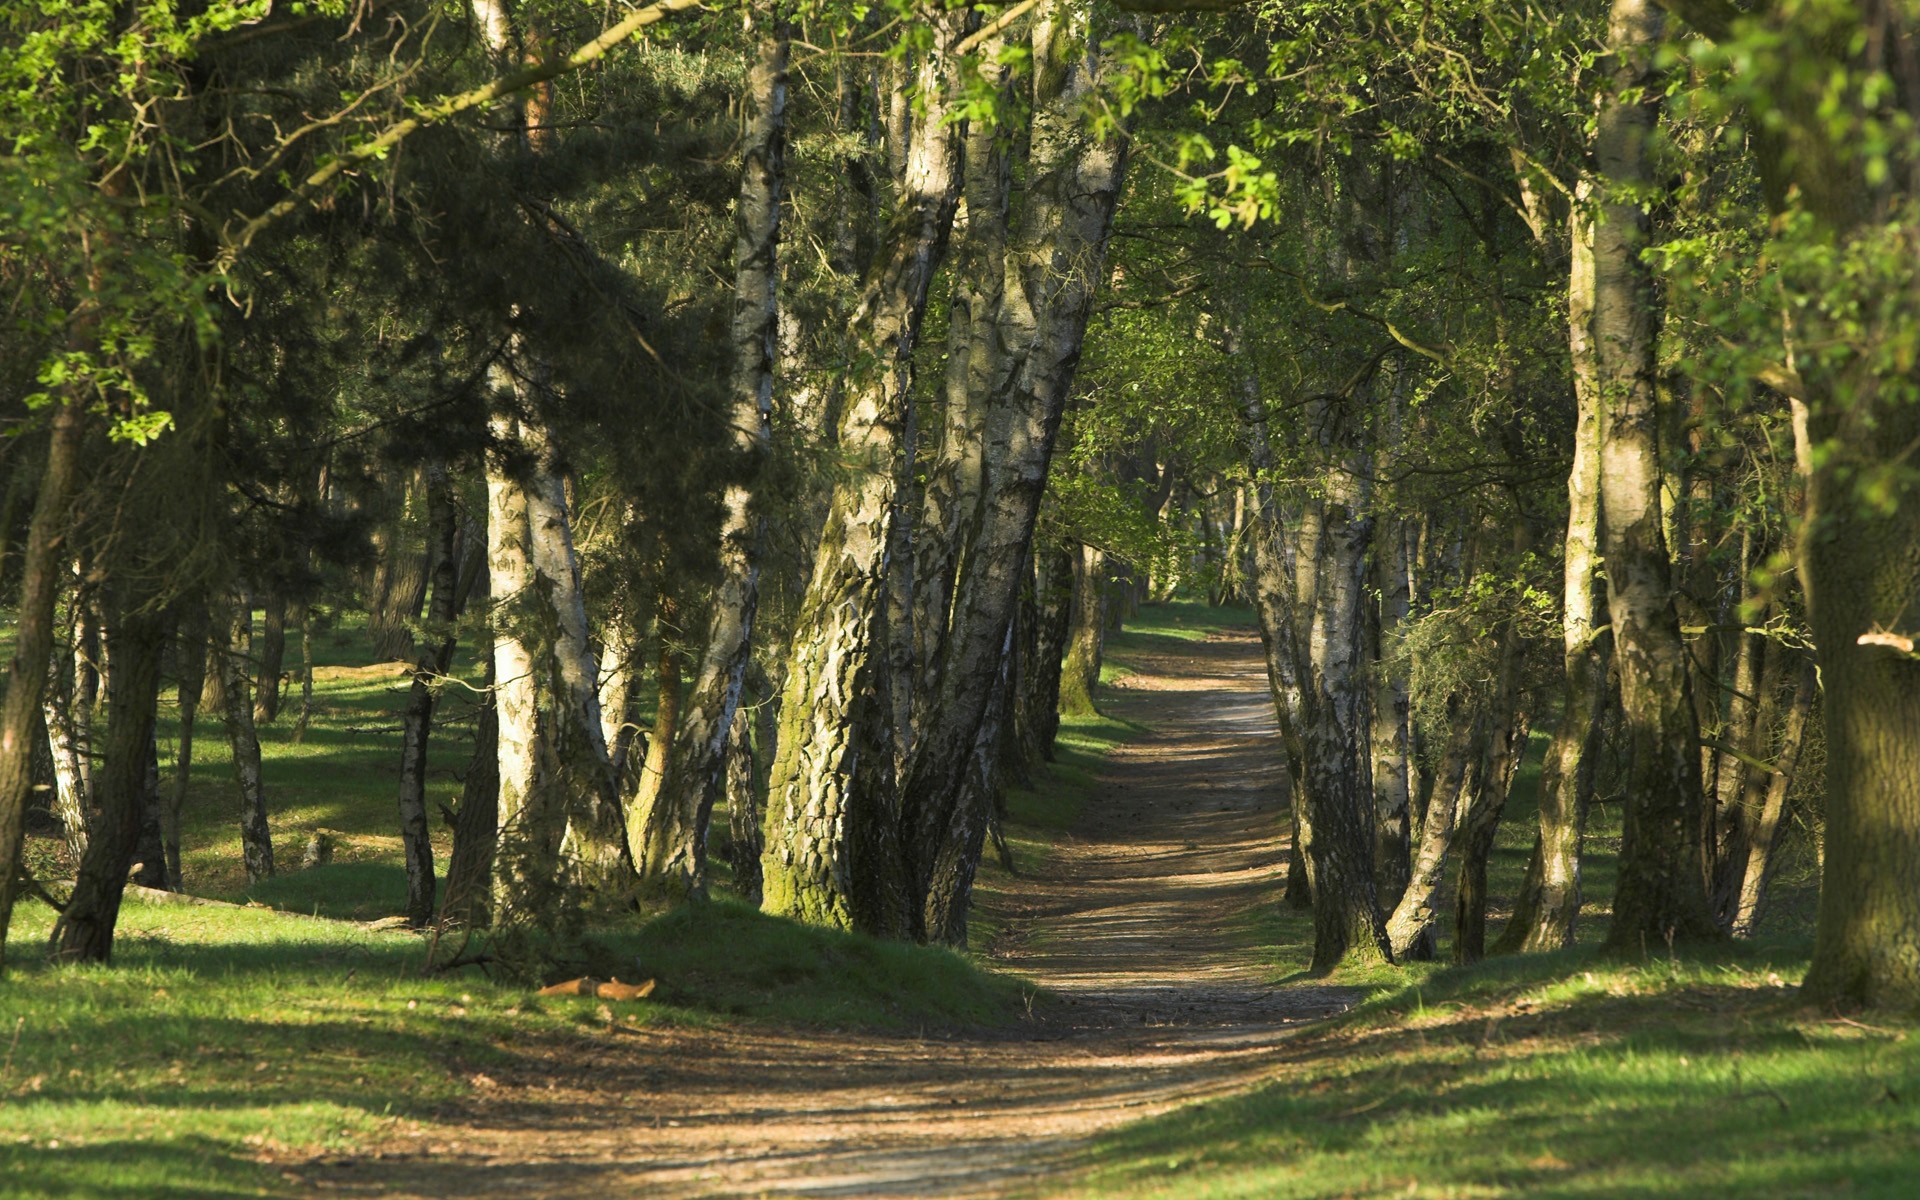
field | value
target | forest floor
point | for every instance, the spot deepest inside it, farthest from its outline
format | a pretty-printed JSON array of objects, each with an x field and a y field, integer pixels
[{"x": 1134, "y": 926}]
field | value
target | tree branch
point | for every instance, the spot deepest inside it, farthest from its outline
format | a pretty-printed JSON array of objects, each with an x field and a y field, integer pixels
[{"x": 446, "y": 109}]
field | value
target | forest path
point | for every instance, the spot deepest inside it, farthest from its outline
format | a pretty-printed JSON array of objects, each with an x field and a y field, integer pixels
[{"x": 1133, "y": 922}]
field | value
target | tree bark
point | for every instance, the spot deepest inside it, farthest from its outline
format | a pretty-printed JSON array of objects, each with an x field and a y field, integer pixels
[
  {"x": 256, "y": 839},
  {"x": 825, "y": 758},
  {"x": 1337, "y": 795},
  {"x": 1661, "y": 895},
  {"x": 84, "y": 931},
  {"x": 1768, "y": 804},
  {"x": 434, "y": 656},
  {"x": 1086, "y": 633},
  {"x": 744, "y": 810},
  {"x": 476, "y": 826},
  {"x": 40, "y": 572},
  {"x": 273, "y": 655},
  {"x": 1549, "y": 900},
  {"x": 1410, "y": 930},
  {"x": 1054, "y": 260}
]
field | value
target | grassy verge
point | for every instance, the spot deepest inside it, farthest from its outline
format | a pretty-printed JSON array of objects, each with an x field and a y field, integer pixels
[
  {"x": 224, "y": 1039},
  {"x": 1561, "y": 1075}
]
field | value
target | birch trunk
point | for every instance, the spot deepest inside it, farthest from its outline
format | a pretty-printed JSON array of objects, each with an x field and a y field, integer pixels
[
  {"x": 680, "y": 799},
  {"x": 273, "y": 655},
  {"x": 236, "y": 662},
  {"x": 1410, "y": 930},
  {"x": 526, "y": 861},
  {"x": 1054, "y": 263},
  {"x": 824, "y": 758},
  {"x": 67, "y": 745},
  {"x": 1661, "y": 894},
  {"x": 476, "y": 826},
  {"x": 1768, "y": 804},
  {"x": 1337, "y": 795},
  {"x": 84, "y": 931},
  {"x": 1390, "y": 741},
  {"x": 1086, "y": 633},
  {"x": 1549, "y": 902}
]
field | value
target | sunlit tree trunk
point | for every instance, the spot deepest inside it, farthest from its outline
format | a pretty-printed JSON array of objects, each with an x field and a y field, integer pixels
[
  {"x": 1086, "y": 633},
  {"x": 236, "y": 662},
  {"x": 1549, "y": 900},
  {"x": 1054, "y": 255},
  {"x": 1765, "y": 801},
  {"x": 1410, "y": 930},
  {"x": 674, "y": 846},
  {"x": 1661, "y": 894},
  {"x": 821, "y": 802},
  {"x": 1337, "y": 794}
]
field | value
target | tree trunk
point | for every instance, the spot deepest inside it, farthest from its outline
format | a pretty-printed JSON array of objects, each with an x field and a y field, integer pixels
[
  {"x": 1054, "y": 263},
  {"x": 1661, "y": 894},
  {"x": 1768, "y": 804},
  {"x": 822, "y": 804},
  {"x": 1086, "y": 635},
  {"x": 305, "y": 621},
  {"x": 273, "y": 655},
  {"x": 1390, "y": 741},
  {"x": 476, "y": 826},
  {"x": 193, "y": 664},
  {"x": 692, "y": 773},
  {"x": 256, "y": 840},
  {"x": 435, "y": 655},
  {"x": 68, "y": 745},
  {"x": 530, "y": 819},
  {"x": 1410, "y": 930},
  {"x": 1549, "y": 900},
  {"x": 744, "y": 810},
  {"x": 84, "y": 931},
  {"x": 658, "y": 834},
  {"x": 1338, "y": 796},
  {"x": 1053, "y": 583}
]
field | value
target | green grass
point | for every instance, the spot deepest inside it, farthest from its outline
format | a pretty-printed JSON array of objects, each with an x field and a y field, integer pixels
[{"x": 1559, "y": 1075}]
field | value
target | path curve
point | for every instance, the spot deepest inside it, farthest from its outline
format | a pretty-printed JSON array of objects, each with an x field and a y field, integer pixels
[{"x": 1132, "y": 922}]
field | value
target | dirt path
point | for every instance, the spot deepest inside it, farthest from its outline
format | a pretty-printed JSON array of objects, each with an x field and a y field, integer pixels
[{"x": 1132, "y": 923}]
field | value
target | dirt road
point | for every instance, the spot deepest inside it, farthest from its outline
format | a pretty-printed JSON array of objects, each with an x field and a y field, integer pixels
[{"x": 1132, "y": 923}]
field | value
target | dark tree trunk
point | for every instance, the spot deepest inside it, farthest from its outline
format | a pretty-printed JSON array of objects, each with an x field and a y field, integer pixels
[
  {"x": 467, "y": 902},
  {"x": 84, "y": 931},
  {"x": 256, "y": 840},
  {"x": 416, "y": 720},
  {"x": 20, "y": 714},
  {"x": 273, "y": 656}
]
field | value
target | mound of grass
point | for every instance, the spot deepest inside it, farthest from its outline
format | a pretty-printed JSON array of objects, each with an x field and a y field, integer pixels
[
  {"x": 353, "y": 891},
  {"x": 729, "y": 958},
  {"x": 1557, "y": 1075}
]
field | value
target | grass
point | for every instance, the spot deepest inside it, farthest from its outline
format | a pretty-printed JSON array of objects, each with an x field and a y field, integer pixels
[{"x": 1565, "y": 1075}]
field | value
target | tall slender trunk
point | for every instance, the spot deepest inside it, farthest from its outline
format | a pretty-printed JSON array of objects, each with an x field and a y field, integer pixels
[
  {"x": 824, "y": 758},
  {"x": 1390, "y": 741},
  {"x": 273, "y": 655},
  {"x": 192, "y": 648},
  {"x": 744, "y": 810},
  {"x": 684, "y": 792},
  {"x": 1338, "y": 796},
  {"x": 68, "y": 746},
  {"x": 40, "y": 572},
  {"x": 1055, "y": 260},
  {"x": 1275, "y": 602},
  {"x": 304, "y": 620},
  {"x": 434, "y": 656},
  {"x": 256, "y": 839},
  {"x": 1549, "y": 900},
  {"x": 530, "y": 820},
  {"x": 1053, "y": 585},
  {"x": 1410, "y": 930},
  {"x": 1505, "y": 742},
  {"x": 84, "y": 931},
  {"x": 1086, "y": 633},
  {"x": 1662, "y": 893},
  {"x": 476, "y": 825},
  {"x": 1766, "y": 800}
]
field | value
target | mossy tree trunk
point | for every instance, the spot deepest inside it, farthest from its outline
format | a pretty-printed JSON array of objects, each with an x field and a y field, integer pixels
[{"x": 832, "y": 847}]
